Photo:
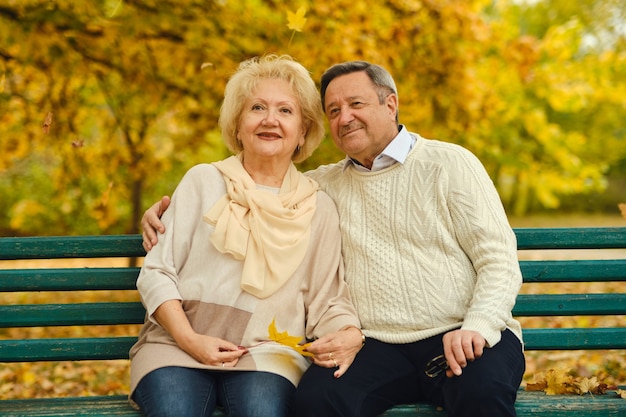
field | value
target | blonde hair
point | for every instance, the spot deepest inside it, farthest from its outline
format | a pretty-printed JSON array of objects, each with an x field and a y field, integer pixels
[{"x": 245, "y": 80}]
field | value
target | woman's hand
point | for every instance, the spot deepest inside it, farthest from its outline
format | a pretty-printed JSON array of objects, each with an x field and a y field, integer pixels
[
  {"x": 337, "y": 350},
  {"x": 212, "y": 350},
  {"x": 205, "y": 349}
]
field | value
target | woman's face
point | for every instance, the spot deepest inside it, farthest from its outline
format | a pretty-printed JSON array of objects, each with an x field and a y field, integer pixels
[{"x": 271, "y": 123}]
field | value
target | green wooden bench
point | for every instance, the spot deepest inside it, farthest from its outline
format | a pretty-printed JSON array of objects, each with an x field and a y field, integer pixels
[{"x": 120, "y": 313}]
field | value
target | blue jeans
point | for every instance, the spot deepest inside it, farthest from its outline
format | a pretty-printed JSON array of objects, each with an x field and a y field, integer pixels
[
  {"x": 383, "y": 375},
  {"x": 186, "y": 392}
]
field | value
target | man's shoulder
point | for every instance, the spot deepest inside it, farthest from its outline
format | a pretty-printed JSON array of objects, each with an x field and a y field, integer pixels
[{"x": 435, "y": 150}]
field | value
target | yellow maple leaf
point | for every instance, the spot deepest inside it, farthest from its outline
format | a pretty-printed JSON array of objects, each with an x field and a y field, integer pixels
[
  {"x": 284, "y": 338},
  {"x": 585, "y": 385},
  {"x": 557, "y": 381},
  {"x": 296, "y": 20}
]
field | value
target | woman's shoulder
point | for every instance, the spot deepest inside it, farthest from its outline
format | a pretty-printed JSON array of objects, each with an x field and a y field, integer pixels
[{"x": 326, "y": 208}]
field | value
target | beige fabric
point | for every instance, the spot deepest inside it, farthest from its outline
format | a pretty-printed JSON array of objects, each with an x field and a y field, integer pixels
[
  {"x": 186, "y": 266},
  {"x": 260, "y": 227},
  {"x": 449, "y": 262}
]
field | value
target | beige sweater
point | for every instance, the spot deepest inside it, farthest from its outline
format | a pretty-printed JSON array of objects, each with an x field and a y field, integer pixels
[
  {"x": 427, "y": 245},
  {"x": 186, "y": 266}
]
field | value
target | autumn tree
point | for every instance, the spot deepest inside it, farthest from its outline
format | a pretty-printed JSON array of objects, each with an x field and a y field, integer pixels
[{"x": 105, "y": 103}]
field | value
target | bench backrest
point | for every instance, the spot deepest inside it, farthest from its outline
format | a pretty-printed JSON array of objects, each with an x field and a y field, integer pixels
[{"x": 123, "y": 278}]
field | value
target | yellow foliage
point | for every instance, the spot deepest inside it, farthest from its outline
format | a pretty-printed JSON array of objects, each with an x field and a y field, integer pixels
[
  {"x": 296, "y": 20},
  {"x": 560, "y": 382},
  {"x": 284, "y": 338}
]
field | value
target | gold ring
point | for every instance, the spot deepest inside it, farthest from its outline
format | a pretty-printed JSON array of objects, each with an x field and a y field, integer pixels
[
  {"x": 223, "y": 364},
  {"x": 330, "y": 355},
  {"x": 336, "y": 364}
]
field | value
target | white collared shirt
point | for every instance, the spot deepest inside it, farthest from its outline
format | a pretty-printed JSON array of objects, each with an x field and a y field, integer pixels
[{"x": 397, "y": 151}]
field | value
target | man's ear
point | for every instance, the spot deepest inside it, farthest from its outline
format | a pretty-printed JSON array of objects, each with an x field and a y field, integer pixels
[{"x": 392, "y": 104}]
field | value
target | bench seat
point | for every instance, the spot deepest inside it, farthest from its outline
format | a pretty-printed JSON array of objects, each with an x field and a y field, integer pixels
[
  {"x": 528, "y": 404},
  {"x": 115, "y": 313}
]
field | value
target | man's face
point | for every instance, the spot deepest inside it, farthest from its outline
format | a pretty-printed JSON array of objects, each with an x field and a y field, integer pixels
[{"x": 360, "y": 126}]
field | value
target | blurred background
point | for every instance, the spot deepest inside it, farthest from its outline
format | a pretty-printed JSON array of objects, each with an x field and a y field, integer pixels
[{"x": 104, "y": 104}]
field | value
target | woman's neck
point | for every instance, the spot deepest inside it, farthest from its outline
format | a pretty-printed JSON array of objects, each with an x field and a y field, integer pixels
[{"x": 266, "y": 172}]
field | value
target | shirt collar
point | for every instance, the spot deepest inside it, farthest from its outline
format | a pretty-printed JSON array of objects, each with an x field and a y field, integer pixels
[{"x": 396, "y": 151}]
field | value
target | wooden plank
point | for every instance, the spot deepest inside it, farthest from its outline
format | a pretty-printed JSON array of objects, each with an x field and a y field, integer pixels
[
  {"x": 68, "y": 279},
  {"x": 528, "y": 404},
  {"x": 117, "y": 347},
  {"x": 574, "y": 270},
  {"x": 66, "y": 349},
  {"x": 571, "y": 238},
  {"x": 75, "y": 279},
  {"x": 53, "y": 247},
  {"x": 81, "y": 314},
  {"x": 575, "y": 338},
  {"x": 569, "y": 304}
]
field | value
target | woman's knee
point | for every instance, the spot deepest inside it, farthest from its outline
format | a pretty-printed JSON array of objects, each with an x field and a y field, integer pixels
[
  {"x": 261, "y": 394},
  {"x": 174, "y": 392}
]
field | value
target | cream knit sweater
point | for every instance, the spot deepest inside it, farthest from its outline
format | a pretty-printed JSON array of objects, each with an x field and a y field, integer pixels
[{"x": 427, "y": 245}]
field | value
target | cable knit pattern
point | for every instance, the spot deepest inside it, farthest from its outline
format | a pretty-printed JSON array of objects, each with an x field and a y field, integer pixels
[{"x": 427, "y": 245}]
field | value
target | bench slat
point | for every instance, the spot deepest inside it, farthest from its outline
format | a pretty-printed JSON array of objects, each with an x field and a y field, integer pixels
[
  {"x": 31, "y": 315},
  {"x": 76, "y": 279},
  {"x": 55, "y": 247},
  {"x": 68, "y": 279},
  {"x": 571, "y": 238},
  {"x": 117, "y": 405},
  {"x": 528, "y": 404},
  {"x": 65, "y": 349},
  {"x": 117, "y": 347},
  {"x": 575, "y": 339},
  {"x": 574, "y": 270},
  {"x": 528, "y": 305}
]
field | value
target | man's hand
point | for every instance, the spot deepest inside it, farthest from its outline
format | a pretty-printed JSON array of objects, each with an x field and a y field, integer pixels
[
  {"x": 461, "y": 347},
  {"x": 151, "y": 223}
]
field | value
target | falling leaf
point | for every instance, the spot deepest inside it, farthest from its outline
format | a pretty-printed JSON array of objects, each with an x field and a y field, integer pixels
[
  {"x": 47, "y": 122},
  {"x": 206, "y": 65},
  {"x": 296, "y": 20},
  {"x": 284, "y": 338},
  {"x": 78, "y": 143},
  {"x": 622, "y": 209}
]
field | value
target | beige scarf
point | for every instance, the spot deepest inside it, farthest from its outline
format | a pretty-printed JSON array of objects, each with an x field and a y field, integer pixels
[{"x": 269, "y": 232}]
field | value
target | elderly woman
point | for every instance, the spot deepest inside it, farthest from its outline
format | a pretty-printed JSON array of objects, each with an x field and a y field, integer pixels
[{"x": 250, "y": 244}]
